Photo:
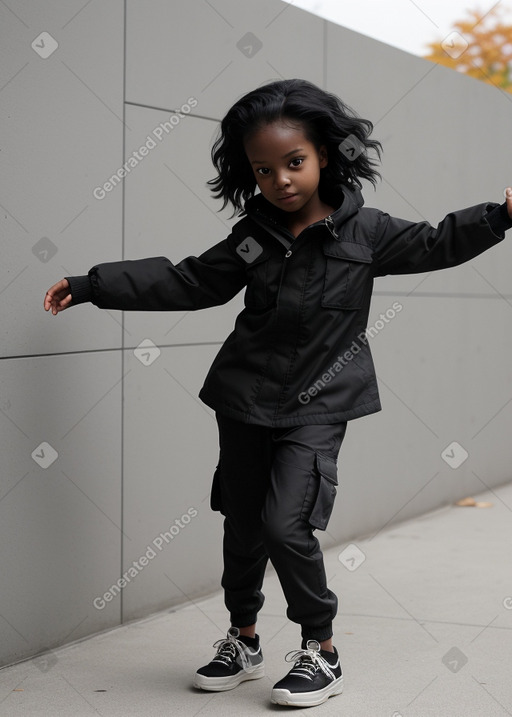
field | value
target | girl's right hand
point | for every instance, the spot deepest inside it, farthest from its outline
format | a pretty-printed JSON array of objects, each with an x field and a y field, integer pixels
[{"x": 58, "y": 297}]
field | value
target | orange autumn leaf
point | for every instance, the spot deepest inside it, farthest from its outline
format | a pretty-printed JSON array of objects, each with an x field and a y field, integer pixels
[{"x": 480, "y": 46}]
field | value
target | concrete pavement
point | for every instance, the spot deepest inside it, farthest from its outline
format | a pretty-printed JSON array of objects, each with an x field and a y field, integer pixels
[{"x": 424, "y": 628}]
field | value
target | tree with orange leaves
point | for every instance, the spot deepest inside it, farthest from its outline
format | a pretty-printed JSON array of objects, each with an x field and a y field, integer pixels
[{"x": 480, "y": 46}]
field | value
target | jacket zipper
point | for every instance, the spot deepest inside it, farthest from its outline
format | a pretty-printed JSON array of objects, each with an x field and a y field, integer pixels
[{"x": 329, "y": 223}]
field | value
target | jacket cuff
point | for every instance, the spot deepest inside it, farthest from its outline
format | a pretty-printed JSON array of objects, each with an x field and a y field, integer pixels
[
  {"x": 80, "y": 288},
  {"x": 499, "y": 220}
]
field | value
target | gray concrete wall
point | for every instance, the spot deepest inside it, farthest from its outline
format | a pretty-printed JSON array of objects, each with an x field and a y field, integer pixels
[{"x": 105, "y": 449}]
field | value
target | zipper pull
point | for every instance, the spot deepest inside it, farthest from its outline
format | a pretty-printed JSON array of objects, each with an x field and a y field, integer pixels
[{"x": 329, "y": 223}]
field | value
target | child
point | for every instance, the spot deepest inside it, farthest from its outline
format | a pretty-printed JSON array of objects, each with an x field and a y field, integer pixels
[{"x": 296, "y": 367}]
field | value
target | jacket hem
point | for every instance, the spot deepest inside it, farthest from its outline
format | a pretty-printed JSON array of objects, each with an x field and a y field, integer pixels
[{"x": 314, "y": 419}]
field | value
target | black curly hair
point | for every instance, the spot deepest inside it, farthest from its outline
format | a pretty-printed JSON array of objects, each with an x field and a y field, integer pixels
[{"x": 325, "y": 119}]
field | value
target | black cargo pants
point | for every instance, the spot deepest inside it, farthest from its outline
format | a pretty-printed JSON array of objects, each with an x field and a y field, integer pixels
[{"x": 275, "y": 486}]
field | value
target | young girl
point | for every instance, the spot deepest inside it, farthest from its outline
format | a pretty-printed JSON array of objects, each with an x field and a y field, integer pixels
[{"x": 297, "y": 365}]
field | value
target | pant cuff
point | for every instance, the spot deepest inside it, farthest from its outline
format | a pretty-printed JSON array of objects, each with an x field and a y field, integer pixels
[
  {"x": 316, "y": 633},
  {"x": 243, "y": 620}
]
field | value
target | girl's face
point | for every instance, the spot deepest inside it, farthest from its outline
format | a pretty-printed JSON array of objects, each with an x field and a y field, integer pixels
[{"x": 287, "y": 168}]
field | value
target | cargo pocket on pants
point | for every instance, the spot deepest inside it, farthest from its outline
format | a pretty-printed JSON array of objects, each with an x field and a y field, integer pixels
[
  {"x": 215, "y": 494},
  {"x": 326, "y": 473}
]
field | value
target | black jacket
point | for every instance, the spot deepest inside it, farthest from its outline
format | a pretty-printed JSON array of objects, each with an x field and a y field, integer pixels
[{"x": 298, "y": 353}]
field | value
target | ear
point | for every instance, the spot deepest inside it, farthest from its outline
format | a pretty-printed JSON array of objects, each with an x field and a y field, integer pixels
[{"x": 323, "y": 157}]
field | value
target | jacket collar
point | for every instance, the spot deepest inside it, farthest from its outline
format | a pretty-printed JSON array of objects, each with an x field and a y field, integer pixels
[{"x": 346, "y": 202}]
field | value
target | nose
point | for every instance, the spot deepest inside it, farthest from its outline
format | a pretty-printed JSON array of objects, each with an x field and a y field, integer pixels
[{"x": 281, "y": 180}]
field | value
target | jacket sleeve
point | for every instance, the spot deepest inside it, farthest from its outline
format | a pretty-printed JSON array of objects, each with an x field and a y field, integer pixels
[
  {"x": 403, "y": 247},
  {"x": 155, "y": 284}
]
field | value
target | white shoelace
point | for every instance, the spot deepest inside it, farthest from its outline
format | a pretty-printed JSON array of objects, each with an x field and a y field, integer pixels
[
  {"x": 229, "y": 649},
  {"x": 310, "y": 661}
]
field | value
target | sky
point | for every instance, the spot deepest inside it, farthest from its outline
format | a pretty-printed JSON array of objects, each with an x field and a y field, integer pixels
[{"x": 407, "y": 24}]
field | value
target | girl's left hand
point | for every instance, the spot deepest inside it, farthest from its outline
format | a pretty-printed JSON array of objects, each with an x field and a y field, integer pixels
[
  {"x": 508, "y": 194},
  {"x": 58, "y": 297}
]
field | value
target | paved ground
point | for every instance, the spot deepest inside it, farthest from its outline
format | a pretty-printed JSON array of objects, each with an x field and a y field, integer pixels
[{"x": 425, "y": 628}]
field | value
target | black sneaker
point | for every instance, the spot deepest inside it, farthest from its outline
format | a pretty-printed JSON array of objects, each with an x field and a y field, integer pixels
[
  {"x": 234, "y": 663},
  {"x": 315, "y": 676}
]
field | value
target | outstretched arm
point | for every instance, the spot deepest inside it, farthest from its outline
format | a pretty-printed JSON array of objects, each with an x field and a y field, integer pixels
[
  {"x": 404, "y": 247},
  {"x": 155, "y": 284}
]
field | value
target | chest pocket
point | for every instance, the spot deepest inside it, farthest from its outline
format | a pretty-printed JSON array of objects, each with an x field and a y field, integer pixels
[{"x": 347, "y": 269}]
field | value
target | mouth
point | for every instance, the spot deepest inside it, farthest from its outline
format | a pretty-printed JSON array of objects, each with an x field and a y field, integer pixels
[{"x": 286, "y": 198}]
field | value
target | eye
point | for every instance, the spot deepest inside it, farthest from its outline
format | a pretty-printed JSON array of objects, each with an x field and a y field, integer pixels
[
  {"x": 297, "y": 161},
  {"x": 263, "y": 170}
]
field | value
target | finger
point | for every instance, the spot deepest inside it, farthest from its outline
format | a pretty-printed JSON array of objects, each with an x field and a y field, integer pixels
[
  {"x": 61, "y": 287},
  {"x": 508, "y": 194},
  {"x": 52, "y": 298},
  {"x": 48, "y": 300},
  {"x": 58, "y": 302},
  {"x": 62, "y": 304}
]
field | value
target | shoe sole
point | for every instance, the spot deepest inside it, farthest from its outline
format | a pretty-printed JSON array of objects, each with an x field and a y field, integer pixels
[
  {"x": 220, "y": 684},
  {"x": 307, "y": 699}
]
